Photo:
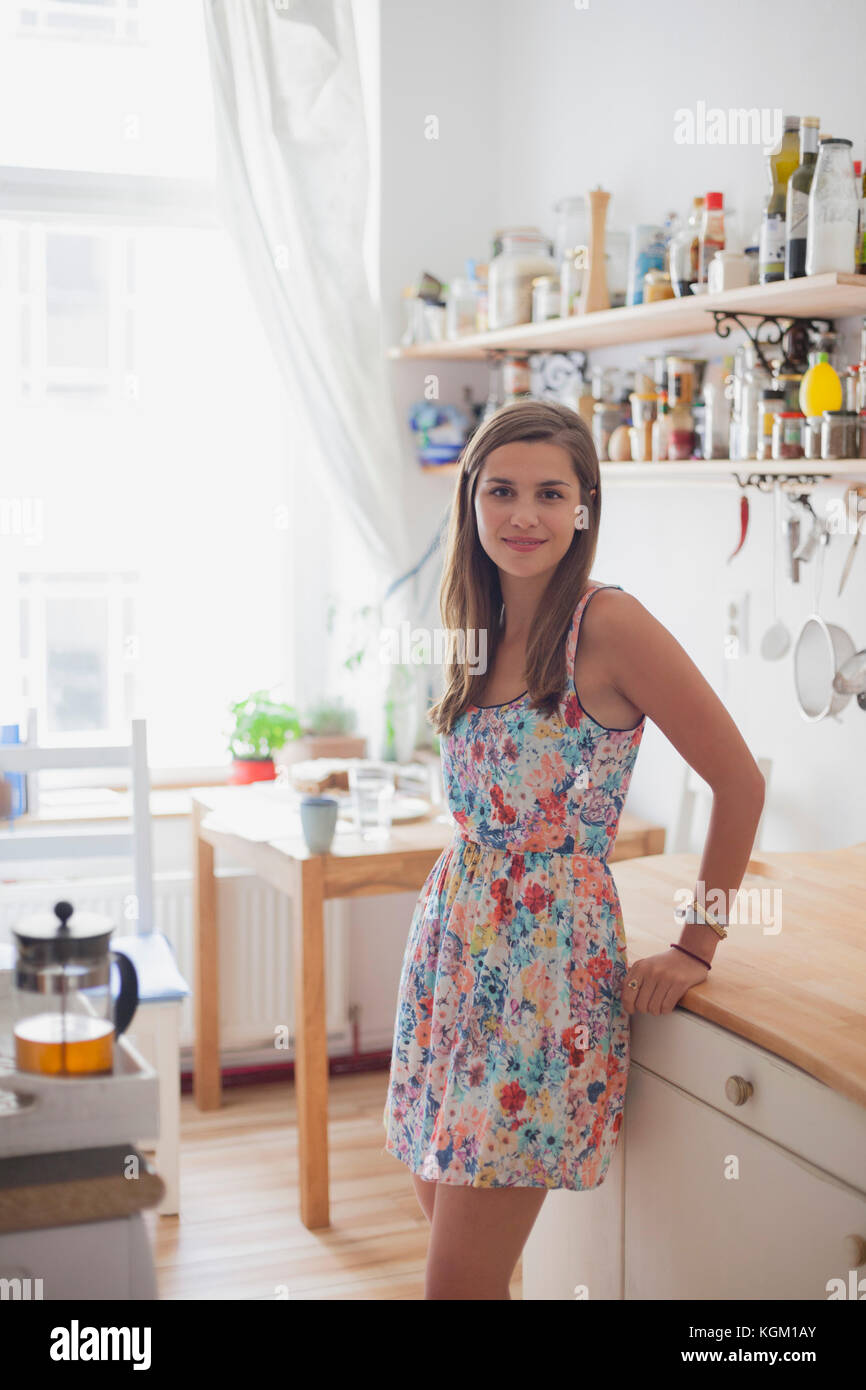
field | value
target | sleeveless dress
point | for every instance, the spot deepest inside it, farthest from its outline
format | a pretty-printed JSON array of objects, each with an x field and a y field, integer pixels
[{"x": 511, "y": 1046}]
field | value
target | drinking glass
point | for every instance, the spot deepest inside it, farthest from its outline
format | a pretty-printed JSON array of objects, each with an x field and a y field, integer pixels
[{"x": 372, "y": 788}]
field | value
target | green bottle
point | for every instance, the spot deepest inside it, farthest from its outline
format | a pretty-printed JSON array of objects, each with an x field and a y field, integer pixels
[
  {"x": 797, "y": 209},
  {"x": 781, "y": 164}
]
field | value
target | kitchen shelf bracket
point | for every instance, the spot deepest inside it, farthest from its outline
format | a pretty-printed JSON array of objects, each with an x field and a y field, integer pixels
[
  {"x": 765, "y": 482},
  {"x": 727, "y": 319}
]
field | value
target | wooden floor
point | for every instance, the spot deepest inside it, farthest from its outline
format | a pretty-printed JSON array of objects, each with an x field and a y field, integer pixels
[{"x": 239, "y": 1236}]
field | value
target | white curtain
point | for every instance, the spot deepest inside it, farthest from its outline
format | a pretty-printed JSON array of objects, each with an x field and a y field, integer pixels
[{"x": 293, "y": 185}]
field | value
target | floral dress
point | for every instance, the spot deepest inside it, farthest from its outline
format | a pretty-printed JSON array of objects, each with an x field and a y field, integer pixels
[{"x": 511, "y": 1046}]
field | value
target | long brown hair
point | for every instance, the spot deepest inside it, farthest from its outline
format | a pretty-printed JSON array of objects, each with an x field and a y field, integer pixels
[{"x": 470, "y": 595}]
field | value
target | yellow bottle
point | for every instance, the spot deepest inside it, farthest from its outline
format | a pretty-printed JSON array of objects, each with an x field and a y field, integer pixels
[{"x": 820, "y": 388}]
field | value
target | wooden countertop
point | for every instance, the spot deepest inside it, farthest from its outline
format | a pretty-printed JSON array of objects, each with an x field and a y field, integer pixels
[
  {"x": 64, "y": 1189},
  {"x": 791, "y": 975}
]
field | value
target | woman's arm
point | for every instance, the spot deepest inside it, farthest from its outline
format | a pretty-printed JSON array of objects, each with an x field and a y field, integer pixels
[{"x": 647, "y": 665}]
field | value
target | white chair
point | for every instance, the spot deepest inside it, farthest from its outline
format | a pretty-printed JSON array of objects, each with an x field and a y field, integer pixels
[
  {"x": 696, "y": 791},
  {"x": 155, "y": 1030}
]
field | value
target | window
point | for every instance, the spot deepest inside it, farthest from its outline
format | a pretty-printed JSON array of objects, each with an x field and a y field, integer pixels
[
  {"x": 78, "y": 647},
  {"x": 114, "y": 20},
  {"x": 149, "y": 503},
  {"x": 75, "y": 309}
]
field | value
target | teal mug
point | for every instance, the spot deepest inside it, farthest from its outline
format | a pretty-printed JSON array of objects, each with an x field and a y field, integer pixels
[{"x": 319, "y": 822}]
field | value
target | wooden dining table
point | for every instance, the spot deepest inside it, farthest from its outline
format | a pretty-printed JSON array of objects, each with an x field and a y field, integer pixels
[{"x": 244, "y": 822}]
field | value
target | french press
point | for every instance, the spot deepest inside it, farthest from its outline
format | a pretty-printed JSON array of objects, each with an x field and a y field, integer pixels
[{"x": 64, "y": 1017}]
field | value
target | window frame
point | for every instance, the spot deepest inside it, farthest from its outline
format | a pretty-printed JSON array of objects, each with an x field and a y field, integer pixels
[{"x": 104, "y": 199}]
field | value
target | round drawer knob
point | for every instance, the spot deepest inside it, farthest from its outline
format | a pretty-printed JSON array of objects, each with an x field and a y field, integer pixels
[
  {"x": 855, "y": 1249},
  {"x": 738, "y": 1090}
]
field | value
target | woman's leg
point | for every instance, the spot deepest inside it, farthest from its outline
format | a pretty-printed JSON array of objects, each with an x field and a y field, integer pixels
[
  {"x": 476, "y": 1238},
  {"x": 426, "y": 1194}
]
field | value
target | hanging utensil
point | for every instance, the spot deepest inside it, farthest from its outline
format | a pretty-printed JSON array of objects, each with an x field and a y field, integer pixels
[
  {"x": 850, "y": 679},
  {"x": 849, "y": 559},
  {"x": 792, "y": 527},
  {"x": 808, "y": 546},
  {"x": 744, "y": 523},
  {"x": 777, "y": 639},
  {"x": 822, "y": 650}
]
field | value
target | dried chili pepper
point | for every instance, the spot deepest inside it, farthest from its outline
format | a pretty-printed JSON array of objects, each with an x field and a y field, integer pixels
[{"x": 744, "y": 526}]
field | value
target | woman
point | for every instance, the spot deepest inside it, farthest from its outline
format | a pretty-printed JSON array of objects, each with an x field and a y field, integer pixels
[{"x": 511, "y": 1045}]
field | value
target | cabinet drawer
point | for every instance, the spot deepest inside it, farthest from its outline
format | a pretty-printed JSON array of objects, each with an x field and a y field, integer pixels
[{"x": 786, "y": 1105}]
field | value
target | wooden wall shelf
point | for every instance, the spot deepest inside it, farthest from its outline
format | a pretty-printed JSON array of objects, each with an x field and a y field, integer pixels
[
  {"x": 832, "y": 295},
  {"x": 672, "y": 470}
]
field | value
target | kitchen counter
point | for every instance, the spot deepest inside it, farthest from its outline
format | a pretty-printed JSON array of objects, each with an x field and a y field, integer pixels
[
  {"x": 794, "y": 982},
  {"x": 740, "y": 1172}
]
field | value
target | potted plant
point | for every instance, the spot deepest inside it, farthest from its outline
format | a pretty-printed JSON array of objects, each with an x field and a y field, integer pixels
[
  {"x": 262, "y": 726},
  {"x": 327, "y": 732}
]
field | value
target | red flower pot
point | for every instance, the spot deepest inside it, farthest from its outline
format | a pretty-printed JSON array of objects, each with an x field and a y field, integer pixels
[{"x": 244, "y": 770}]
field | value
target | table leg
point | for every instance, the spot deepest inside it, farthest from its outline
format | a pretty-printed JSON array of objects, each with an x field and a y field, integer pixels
[
  {"x": 207, "y": 1086},
  {"x": 311, "y": 1042}
]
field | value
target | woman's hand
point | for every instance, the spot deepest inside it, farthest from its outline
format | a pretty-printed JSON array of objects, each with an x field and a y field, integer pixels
[{"x": 662, "y": 981}]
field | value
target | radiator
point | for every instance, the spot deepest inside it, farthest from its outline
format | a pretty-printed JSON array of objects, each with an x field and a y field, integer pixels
[{"x": 256, "y": 961}]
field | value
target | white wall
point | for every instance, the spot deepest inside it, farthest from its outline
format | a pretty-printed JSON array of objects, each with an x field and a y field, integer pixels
[{"x": 539, "y": 100}]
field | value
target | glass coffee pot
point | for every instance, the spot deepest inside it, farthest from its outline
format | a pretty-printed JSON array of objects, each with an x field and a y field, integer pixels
[{"x": 65, "y": 1019}]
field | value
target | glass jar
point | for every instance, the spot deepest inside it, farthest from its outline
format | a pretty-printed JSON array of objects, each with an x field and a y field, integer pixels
[
  {"x": 771, "y": 404},
  {"x": 683, "y": 252},
  {"x": 461, "y": 307},
  {"x": 510, "y": 274},
  {"x": 516, "y": 377},
  {"x": 616, "y": 256},
  {"x": 812, "y": 436},
  {"x": 839, "y": 434},
  {"x": 788, "y": 434},
  {"x": 572, "y": 226},
  {"x": 656, "y": 286},
  {"x": 833, "y": 209},
  {"x": 646, "y": 252},
  {"x": 851, "y": 384},
  {"x": 545, "y": 298},
  {"x": 788, "y": 382},
  {"x": 606, "y": 417},
  {"x": 572, "y": 269}
]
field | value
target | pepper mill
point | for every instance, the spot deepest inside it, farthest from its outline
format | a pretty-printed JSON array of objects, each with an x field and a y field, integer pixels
[{"x": 594, "y": 292}]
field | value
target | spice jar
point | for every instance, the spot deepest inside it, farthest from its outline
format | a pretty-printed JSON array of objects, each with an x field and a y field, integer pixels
[
  {"x": 839, "y": 434},
  {"x": 606, "y": 417},
  {"x": 545, "y": 298},
  {"x": 771, "y": 404},
  {"x": 516, "y": 376},
  {"x": 681, "y": 424},
  {"x": 852, "y": 384},
  {"x": 812, "y": 436},
  {"x": 788, "y": 435},
  {"x": 657, "y": 285}
]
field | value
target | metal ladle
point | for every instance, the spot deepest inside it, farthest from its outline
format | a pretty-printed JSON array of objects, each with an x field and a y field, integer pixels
[{"x": 777, "y": 639}]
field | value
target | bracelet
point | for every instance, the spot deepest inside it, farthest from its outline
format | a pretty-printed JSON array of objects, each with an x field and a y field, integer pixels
[
  {"x": 690, "y": 953},
  {"x": 710, "y": 921},
  {"x": 691, "y": 912}
]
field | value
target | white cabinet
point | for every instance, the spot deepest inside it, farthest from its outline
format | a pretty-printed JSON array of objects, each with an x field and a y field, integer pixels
[
  {"x": 714, "y": 1210},
  {"x": 737, "y": 1175}
]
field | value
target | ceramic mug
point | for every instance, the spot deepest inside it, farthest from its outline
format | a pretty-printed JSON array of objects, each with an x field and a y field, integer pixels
[
  {"x": 319, "y": 822},
  {"x": 728, "y": 270}
]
